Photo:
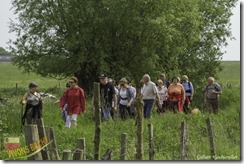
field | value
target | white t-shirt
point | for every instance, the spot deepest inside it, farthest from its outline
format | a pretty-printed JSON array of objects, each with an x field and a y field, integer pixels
[
  {"x": 149, "y": 91},
  {"x": 162, "y": 92},
  {"x": 123, "y": 95},
  {"x": 33, "y": 99}
]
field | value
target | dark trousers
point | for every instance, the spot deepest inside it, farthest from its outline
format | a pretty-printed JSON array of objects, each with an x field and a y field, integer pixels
[
  {"x": 186, "y": 106},
  {"x": 213, "y": 106},
  {"x": 173, "y": 105},
  {"x": 124, "y": 111},
  {"x": 163, "y": 108},
  {"x": 148, "y": 105}
]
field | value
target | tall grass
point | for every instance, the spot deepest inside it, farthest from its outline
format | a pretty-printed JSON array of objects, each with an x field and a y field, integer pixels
[{"x": 226, "y": 125}]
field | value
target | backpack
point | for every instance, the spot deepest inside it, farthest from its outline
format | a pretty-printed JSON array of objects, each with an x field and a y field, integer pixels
[
  {"x": 206, "y": 88},
  {"x": 189, "y": 85}
]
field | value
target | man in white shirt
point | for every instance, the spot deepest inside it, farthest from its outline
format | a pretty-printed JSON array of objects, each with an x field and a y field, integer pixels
[{"x": 149, "y": 93}]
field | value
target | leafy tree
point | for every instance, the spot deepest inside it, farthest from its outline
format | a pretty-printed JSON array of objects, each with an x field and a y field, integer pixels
[{"x": 60, "y": 38}]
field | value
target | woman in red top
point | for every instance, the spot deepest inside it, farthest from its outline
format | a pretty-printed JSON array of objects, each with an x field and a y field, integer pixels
[{"x": 75, "y": 99}]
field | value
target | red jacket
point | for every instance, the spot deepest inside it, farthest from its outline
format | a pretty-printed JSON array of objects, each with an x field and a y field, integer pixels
[{"x": 75, "y": 99}]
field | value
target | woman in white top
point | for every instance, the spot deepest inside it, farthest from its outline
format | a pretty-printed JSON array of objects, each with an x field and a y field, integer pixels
[
  {"x": 162, "y": 92},
  {"x": 125, "y": 99}
]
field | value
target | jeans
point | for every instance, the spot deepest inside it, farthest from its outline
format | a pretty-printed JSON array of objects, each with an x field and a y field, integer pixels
[
  {"x": 105, "y": 113},
  {"x": 148, "y": 105}
]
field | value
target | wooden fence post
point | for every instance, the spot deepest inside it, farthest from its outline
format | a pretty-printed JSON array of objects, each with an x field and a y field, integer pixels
[
  {"x": 16, "y": 88},
  {"x": 184, "y": 141},
  {"x": 108, "y": 155},
  {"x": 66, "y": 155},
  {"x": 123, "y": 146},
  {"x": 31, "y": 137},
  {"x": 139, "y": 145},
  {"x": 211, "y": 138},
  {"x": 42, "y": 134},
  {"x": 82, "y": 145},
  {"x": 53, "y": 146},
  {"x": 151, "y": 142},
  {"x": 78, "y": 154},
  {"x": 97, "y": 121}
]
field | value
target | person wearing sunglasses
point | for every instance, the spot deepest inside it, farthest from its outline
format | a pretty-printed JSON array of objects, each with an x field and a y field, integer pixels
[{"x": 74, "y": 97}]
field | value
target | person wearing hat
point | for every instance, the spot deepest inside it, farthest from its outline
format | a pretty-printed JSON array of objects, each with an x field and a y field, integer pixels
[
  {"x": 125, "y": 99},
  {"x": 189, "y": 90},
  {"x": 107, "y": 96},
  {"x": 33, "y": 101},
  {"x": 176, "y": 95}
]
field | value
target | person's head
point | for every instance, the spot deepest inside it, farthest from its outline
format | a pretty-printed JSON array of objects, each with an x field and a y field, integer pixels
[
  {"x": 146, "y": 78},
  {"x": 73, "y": 81},
  {"x": 160, "y": 83},
  {"x": 141, "y": 83},
  {"x": 162, "y": 77},
  {"x": 110, "y": 80},
  {"x": 129, "y": 82},
  {"x": 210, "y": 80},
  {"x": 175, "y": 80},
  {"x": 103, "y": 78},
  {"x": 33, "y": 86},
  {"x": 123, "y": 83},
  {"x": 67, "y": 85},
  {"x": 178, "y": 79},
  {"x": 185, "y": 78}
]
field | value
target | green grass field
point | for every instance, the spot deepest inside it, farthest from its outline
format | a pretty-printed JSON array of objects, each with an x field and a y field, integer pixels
[{"x": 226, "y": 125}]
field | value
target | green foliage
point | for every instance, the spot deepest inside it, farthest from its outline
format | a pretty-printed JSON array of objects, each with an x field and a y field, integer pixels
[
  {"x": 124, "y": 38},
  {"x": 3, "y": 51}
]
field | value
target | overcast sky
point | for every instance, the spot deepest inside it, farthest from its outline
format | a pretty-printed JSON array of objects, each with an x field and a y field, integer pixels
[{"x": 232, "y": 50}]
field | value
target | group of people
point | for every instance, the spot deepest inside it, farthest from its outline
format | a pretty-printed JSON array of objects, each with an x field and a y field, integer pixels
[{"x": 175, "y": 96}]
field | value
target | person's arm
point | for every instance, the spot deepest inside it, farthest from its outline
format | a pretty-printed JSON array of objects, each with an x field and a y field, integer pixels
[
  {"x": 218, "y": 91},
  {"x": 131, "y": 94},
  {"x": 184, "y": 94},
  {"x": 63, "y": 100},
  {"x": 192, "y": 91},
  {"x": 156, "y": 92},
  {"x": 115, "y": 102},
  {"x": 205, "y": 95},
  {"x": 23, "y": 99},
  {"x": 83, "y": 101}
]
